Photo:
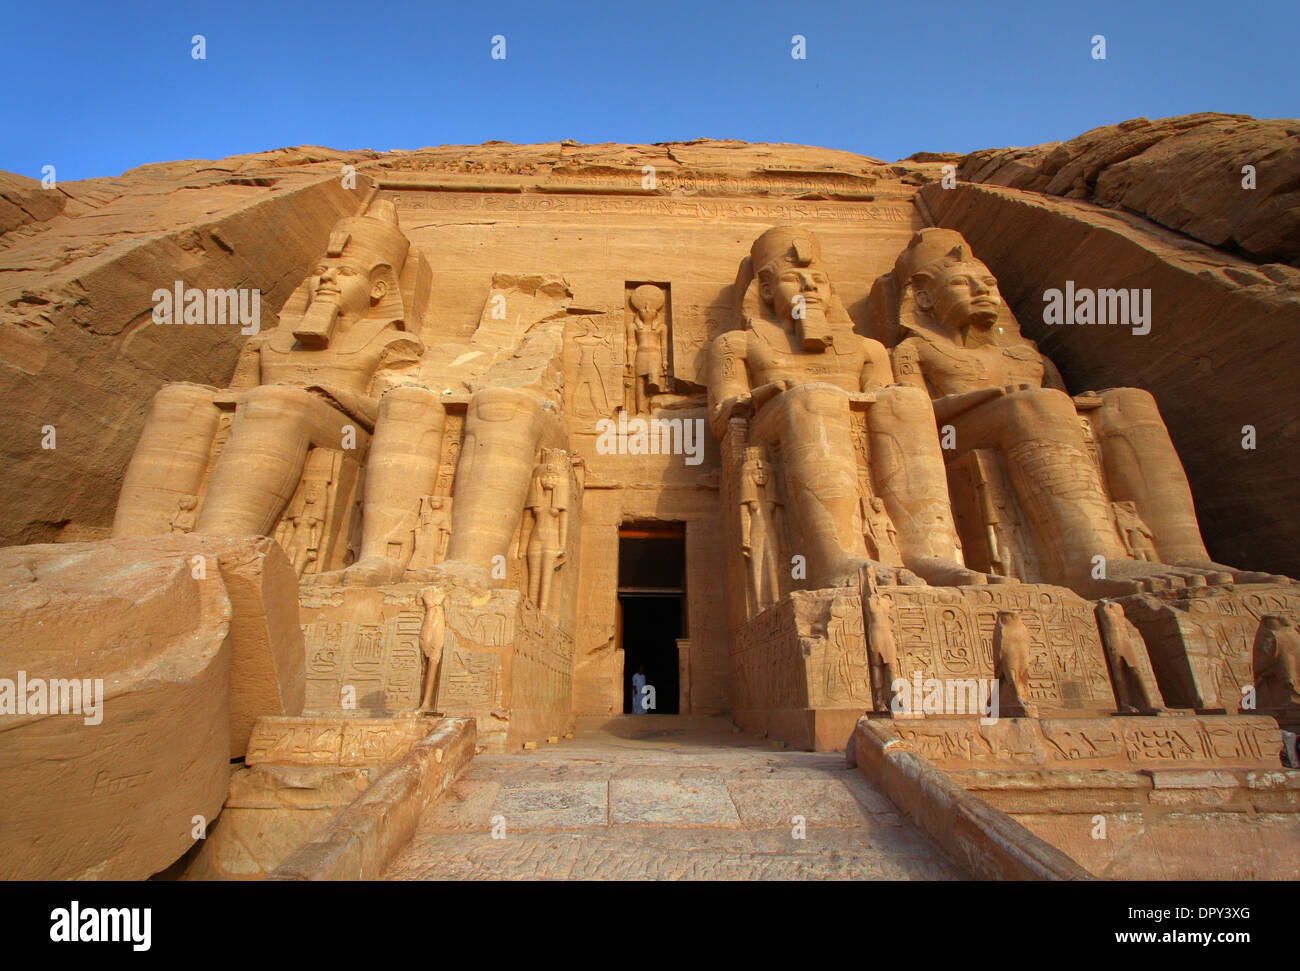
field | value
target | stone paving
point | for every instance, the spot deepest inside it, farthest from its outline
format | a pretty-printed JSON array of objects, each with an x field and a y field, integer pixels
[{"x": 664, "y": 798}]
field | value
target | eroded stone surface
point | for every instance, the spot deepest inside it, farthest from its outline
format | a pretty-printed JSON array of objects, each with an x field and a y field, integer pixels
[{"x": 684, "y": 804}]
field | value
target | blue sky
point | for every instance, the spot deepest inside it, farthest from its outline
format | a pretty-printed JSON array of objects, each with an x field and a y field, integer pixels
[{"x": 97, "y": 88}]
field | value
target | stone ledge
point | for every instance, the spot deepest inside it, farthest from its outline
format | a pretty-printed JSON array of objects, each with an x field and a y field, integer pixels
[
  {"x": 358, "y": 843},
  {"x": 986, "y": 841}
]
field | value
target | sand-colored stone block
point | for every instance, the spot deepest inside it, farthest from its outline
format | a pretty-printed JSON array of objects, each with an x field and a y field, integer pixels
[{"x": 115, "y": 793}]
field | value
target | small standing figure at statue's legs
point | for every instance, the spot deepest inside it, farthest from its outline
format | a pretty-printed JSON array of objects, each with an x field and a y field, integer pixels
[
  {"x": 1011, "y": 658},
  {"x": 433, "y": 632},
  {"x": 546, "y": 537},
  {"x": 882, "y": 648}
]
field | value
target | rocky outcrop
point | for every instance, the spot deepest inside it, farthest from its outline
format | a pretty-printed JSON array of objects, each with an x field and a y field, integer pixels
[{"x": 1186, "y": 173}]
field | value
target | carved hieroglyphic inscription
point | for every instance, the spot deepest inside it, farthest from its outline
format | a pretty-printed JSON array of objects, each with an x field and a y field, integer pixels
[
  {"x": 333, "y": 741},
  {"x": 1129, "y": 742},
  {"x": 542, "y": 668},
  {"x": 948, "y": 633},
  {"x": 471, "y": 679},
  {"x": 1200, "y": 642},
  {"x": 380, "y": 662},
  {"x": 767, "y": 661},
  {"x": 658, "y": 206},
  {"x": 452, "y": 434}
]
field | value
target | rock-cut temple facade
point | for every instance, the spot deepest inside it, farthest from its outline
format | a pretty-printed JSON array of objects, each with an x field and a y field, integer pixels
[{"x": 346, "y": 467}]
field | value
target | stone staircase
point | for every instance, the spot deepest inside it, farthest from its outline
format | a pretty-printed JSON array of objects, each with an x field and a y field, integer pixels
[{"x": 661, "y": 797}]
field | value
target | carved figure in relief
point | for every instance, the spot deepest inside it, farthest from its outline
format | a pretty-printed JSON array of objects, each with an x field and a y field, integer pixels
[
  {"x": 794, "y": 370},
  {"x": 997, "y": 392},
  {"x": 183, "y": 521},
  {"x": 431, "y": 533},
  {"x": 1000, "y": 531},
  {"x": 878, "y": 531},
  {"x": 1011, "y": 659},
  {"x": 761, "y": 526},
  {"x": 844, "y": 652},
  {"x": 546, "y": 533},
  {"x": 647, "y": 346},
  {"x": 590, "y": 378},
  {"x": 1275, "y": 657},
  {"x": 305, "y": 528},
  {"x": 433, "y": 632},
  {"x": 1136, "y": 534},
  {"x": 1122, "y": 644}
]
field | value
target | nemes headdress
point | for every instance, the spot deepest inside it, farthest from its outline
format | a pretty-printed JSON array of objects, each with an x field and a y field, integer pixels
[
  {"x": 927, "y": 248},
  {"x": 793, "y": 243},
  {"x": 374, "y": 237}
]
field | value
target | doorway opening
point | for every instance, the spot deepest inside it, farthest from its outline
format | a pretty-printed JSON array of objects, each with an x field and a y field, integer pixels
[{"x": 651, "y": 613}]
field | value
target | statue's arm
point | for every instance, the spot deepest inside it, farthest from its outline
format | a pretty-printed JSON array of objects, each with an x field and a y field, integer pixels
[
  {"x": 248, "y": 367},
  {"x": 907, "y": 368},
  {"x": 728, "y": 379},
  {"x": 399, "y": 359},
  {"x": 402, "y": 352},
  {"x": 951, "y": 405},
  {"x": 877, "y": 371}
]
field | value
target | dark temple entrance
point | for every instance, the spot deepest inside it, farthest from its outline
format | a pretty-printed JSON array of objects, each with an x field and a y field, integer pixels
[{"x": 652, "y": 610}]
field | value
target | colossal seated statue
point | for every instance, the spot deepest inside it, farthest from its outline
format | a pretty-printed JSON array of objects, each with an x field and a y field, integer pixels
[
  {"x": 793, "y": 374},
  {"x": 308, "y": 382},
  {"x": 337, "y": 374},
  {"x": 1091, "y": 518}
]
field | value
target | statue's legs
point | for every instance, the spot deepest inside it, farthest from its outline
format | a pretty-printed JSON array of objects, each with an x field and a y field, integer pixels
[
  {"x": 534, "y": 558},
  {"x": 401, "y": 467},
  {"x": 642, "y": 389},
  {"x": 908, "y": 473},
  {"x": 261, "y": 464},
  {"x": 811, "y": 424},
  {"x": 761, "y": 569},
  {"x": 547, "y": 579},
  {"x": 169, "y": 460},
  {"x": 503, "y": 428},
  {"x": 1142, "y": 465},
  {"x": 1054, "y": 478}
]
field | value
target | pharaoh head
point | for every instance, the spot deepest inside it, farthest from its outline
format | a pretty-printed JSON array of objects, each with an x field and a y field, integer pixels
[
  {"x": 948, "y": 284},
  {"x": 792, "y": 280},
  {"x": 358, "y": 275}
]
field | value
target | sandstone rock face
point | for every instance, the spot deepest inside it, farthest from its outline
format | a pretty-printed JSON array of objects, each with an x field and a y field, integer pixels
[
  {"x": 114, "y": 793},
  {"x": 1185, "y": 173}
]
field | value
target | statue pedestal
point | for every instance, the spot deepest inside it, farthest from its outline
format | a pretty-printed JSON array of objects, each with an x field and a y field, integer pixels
[
  {"x": 802, "y": 670},
  {"x": 503, "y": 663}
]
